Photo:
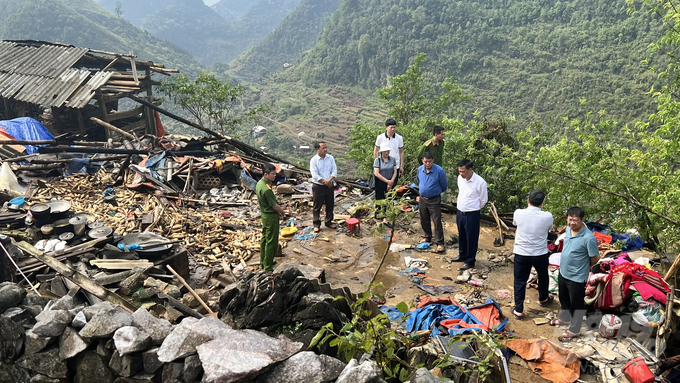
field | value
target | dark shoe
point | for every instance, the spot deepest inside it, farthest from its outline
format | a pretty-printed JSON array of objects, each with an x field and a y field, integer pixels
[
  {"x": 516, "y": 314},
  {"x": 332, "y": 225},
  {"x": 457, "y": 259},
  {"x": 546, "y": 302},
  {"x": 466, "y": 266},
  {"x": 317, "y": 229}
]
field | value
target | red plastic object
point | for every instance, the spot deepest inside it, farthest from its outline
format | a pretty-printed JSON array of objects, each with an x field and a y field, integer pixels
[
  {"x": 353, "y": 225},
  {"x": 637, "y": 371}
]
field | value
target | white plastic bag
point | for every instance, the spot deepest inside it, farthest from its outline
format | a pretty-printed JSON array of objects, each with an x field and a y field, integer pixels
[{"x": 9, "y": 182}]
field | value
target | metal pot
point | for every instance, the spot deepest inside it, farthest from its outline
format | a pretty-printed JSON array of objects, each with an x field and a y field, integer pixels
[
  {"x": 153, "y": 245},
  {"x": 100, "y": 232},
  {"x": 40, "y": 212},
  {"x": 66, "y": 237},
  {"x": 59, "y": 209},
  {"x": 79, "y": 223},
  {"x": 62, "y": 226}
]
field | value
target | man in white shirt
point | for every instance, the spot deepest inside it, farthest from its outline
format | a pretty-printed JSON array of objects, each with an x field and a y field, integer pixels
[
  {"x": 531, "y": 250},
  {"x": 396, "y": 144},
  {"x": 472, "y": 196},
  {"x": 324, "y": 171}
]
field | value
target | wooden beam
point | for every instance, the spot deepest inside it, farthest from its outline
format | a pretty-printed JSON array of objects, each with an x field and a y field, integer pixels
[
  {"x": 109, "y": 65},
  {"x": 113, "y": 128},
  {"x": 105, "y": 114},
  {"x": 81, "y": 122},
  {"x": 126, "y": 114},
  {"x": 133, "y": 64}
]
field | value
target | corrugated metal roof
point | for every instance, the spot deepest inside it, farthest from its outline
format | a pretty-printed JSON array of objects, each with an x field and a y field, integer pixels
[
  {"x": 85, "y": 94},
  {"x": 46, "y": 60}
]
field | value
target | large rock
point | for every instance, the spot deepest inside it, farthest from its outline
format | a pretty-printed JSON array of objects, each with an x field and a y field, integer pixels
[
  {"x": 305, "y": 367},
  {"x": 139, "y": 378},
  {"x": 105, "y": 322},
  {"x": 90, "y": 368},
  {"x": 150, "y": 360},
  {"x": 158, "y": 329},
  {"x": 126, "y": 365},
  {"x": 129, "y": 339},
  {"x": 47, "y": 363},
  {"x": 366, "y": 372},
  {"x": 19, "y": 315},
  {"x": 190, "y": 333},
  {"x": 11, "y": 339},
  {"x": 192, "y": 369},
  {"x": 40, "y": 378},
  {"x": 11, "y": 373},
  {"x": 173, "y": 373},
  {"x": 242, "y": 353},
  {"x": 70, "y": 343},
  {"x": 79, "y": 321},
  {"x": 35, "y": 300},
  {"x": 63, "y": 303},
  {"x": 36, "y": 343},
  {"x": 52, "y": 322},
  {"x": 11, "y": 295}
]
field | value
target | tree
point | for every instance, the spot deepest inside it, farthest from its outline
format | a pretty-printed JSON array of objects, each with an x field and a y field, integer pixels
[
  {"x": 211, "y": 102},
  {"x": 119, "y": 9}
]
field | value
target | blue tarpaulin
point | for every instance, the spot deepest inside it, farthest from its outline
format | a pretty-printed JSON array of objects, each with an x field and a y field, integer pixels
[{"x": 29, "y": 129}]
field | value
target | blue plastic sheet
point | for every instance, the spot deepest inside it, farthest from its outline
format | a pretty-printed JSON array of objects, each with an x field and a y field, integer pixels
[
  {"x": 630, "y": 242},
  {"x": 29, "y": 129},
  {"x": 428, "y": 317}
]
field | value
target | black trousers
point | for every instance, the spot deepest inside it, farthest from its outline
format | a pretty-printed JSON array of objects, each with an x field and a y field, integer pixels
[
  {"x": 380, "y": 189},
  {"x": 468, "y": 235},
  {"x": 523, "y": 265},
  {"x": 431, "y": 210},
  {"x": 322, "y": 195},
  {"x": 572, "y": 295}
]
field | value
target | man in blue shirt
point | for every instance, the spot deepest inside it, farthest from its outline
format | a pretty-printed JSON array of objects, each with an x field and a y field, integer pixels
[
  {"x": 323, "y": 169},
  {"x": 579, "y": 253},
  {"x": 432, "y": 183}
]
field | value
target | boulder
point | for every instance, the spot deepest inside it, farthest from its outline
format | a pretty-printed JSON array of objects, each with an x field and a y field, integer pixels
[
  {"x": 11, "y": 295},
  {"x": 90, "y": 368},
  {"x": 173, "y": 373},
  {"x": 11, "y": 373},
  {"x": 63, "y": 303},
  {"x": 71, "y": 344},
  {"x": 47, "y": 363},
  {"x": 305, "y": 367},
  {"x": 79, "y": 321},
  {"x": 150, "y": 360},
  {"x": 126, "y": 365},
  {"x": 20, "y": 316},
  {"x": 52, "y": 322},
  {"x": 158, "y": 329},
  {"x": 105, "y": 322},
  {"x": 423, "y": 375},
  {"x": 139, "y": 378},
  {"x": 366, "y": 372},
  {"x": 35, "y": 300},
  {"x": 11, "y": 341},
  {"x": 40, "y": 378},
  {"x": 190, "y": 333},
  {"x": 129, "y": 339},
  {"x": 192, "y": 369},
  {"x": 36, "y": 343},
  {"x": 242, "y": 353}
]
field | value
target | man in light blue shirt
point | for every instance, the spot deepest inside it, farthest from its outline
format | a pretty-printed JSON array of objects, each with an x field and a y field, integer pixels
[
  {"x": 431, "y": 184},
  {"x": 323, "y": 169},
  {"x": 579, "y": 253}
]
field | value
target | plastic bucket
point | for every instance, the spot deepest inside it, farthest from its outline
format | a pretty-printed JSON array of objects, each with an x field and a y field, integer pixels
[
  {"x": 610, "y": 326},
  {"x": 637, "y": 371}
]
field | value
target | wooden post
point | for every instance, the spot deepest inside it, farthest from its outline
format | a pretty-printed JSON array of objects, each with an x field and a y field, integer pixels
[
  {"x": 151, "y": 118},
  {"x": 57, "y": 119},
  {"x": 105, "y": 113},
  {"x": 8, "y": 109},
  {"x": 81, "y": 122}
]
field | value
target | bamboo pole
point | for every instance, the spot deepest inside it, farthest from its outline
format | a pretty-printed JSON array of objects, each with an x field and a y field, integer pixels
[{"x": 205, "y": 306}]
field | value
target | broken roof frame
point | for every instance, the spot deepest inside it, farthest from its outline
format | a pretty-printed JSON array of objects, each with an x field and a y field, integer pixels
[{"x": 62, "y": 75}]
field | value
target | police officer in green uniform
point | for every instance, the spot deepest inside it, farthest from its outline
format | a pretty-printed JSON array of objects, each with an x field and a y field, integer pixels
[
  {"x": 435, "y": 146},
  {"x": 271, "y": 212}
]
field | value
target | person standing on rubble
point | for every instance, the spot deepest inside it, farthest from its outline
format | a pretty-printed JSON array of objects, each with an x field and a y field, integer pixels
[
  {"x": 271, "y": 213},
  {"x": 396, "y": 143},
  {"x": 435, "y": 146},
  {"x": 472, "y": 196},
  {"x": 432, "y": 183},
  {"x": 324, "y": 171},
  {"x": 531, "y": 250},
  {"x": 579, "y": 254},
  {"x": 385, "y": 171}
]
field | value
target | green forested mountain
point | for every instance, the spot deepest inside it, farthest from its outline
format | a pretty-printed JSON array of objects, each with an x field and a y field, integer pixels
[
  {"x": 232, "y": 10},
  {"x": 529, "y": 58},
  {"x": 297, "y": 33},
  {"x": 135, "y": 10},
  {"x": 85, "y": 24},
  {"x": 208, "y": 36},
  {"x": 195, "y": 27}
]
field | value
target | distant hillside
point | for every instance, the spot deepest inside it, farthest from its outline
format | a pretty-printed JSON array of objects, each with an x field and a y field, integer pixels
[
  {"x": 135, "y": 10},
  {"x": 208, "y": 36},
  {"x": 298, "y": 32},
  {"x": 195, "y": 27},
  {"x": 232, "y": 10},
  {"x": 528, "y": 58},
  {"x": 85, "y": 24}
]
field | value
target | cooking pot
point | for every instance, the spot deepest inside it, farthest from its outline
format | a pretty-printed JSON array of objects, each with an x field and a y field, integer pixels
[
  {"x": 59, "y": 209},
  {"x": 79, "y": 223},
  {"x": 100, "y": 232},
  {"x": 153, "y": 245},
  {"x": 40, "y": 212},
  {"x": 62, "y": 226}
]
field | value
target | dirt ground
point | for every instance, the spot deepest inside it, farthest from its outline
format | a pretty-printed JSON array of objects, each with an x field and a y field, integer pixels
[{"x": 363, "y": 254}]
